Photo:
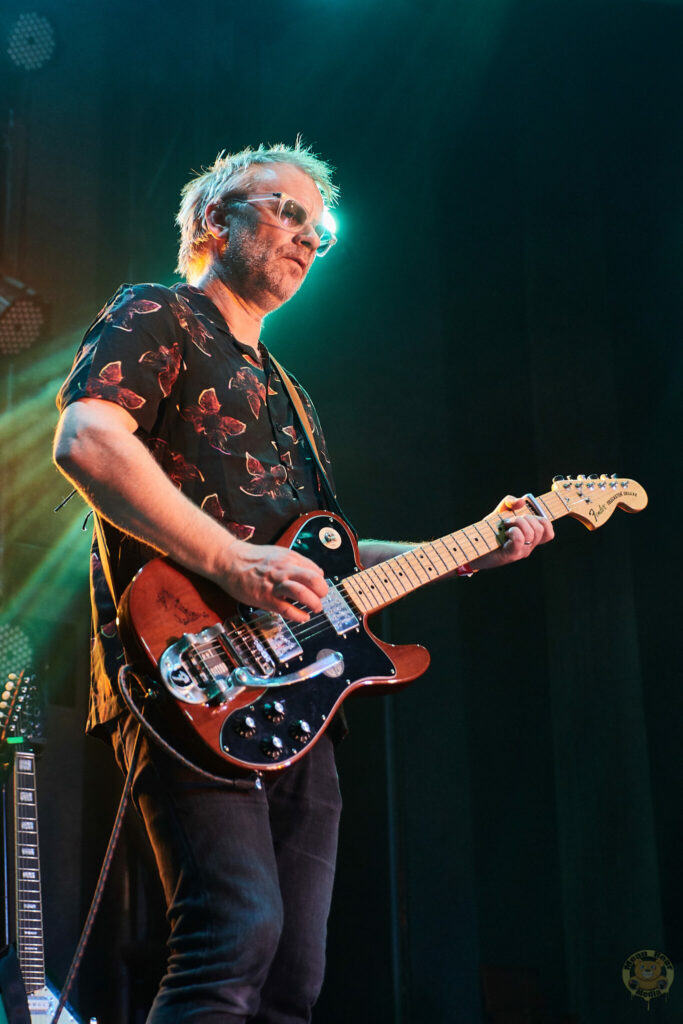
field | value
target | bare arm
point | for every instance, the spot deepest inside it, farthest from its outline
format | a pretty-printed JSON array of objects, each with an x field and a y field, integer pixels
[{"x": 96, "y": 449}]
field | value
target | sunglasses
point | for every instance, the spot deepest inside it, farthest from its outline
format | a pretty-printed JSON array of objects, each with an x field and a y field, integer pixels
[{"x": 293, "y": 216}]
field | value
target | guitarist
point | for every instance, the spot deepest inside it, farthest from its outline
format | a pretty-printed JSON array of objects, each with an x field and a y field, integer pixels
[{"x": 175, "y": 426}]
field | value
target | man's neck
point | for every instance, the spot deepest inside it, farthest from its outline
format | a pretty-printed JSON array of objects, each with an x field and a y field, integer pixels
[{"x": 243, "y": 319}]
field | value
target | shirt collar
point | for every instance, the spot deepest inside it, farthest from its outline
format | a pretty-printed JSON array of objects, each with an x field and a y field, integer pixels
[{"x": 203, "y": 304}]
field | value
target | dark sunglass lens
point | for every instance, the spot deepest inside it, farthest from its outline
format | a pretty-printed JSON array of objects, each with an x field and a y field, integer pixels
[{"x": 292, "y": 214}]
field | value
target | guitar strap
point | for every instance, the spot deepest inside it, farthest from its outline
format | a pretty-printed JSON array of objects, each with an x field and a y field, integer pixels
[
  {"x": 105, "y": 557},
  {"x": 295, "y": 399}
]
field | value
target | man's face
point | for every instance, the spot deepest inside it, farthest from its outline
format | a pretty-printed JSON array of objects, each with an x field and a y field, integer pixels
[{"x": 264, "y": 262}]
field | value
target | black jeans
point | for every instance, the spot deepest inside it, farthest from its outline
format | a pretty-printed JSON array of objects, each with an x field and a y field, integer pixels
[{"x": 247, "y": 875}]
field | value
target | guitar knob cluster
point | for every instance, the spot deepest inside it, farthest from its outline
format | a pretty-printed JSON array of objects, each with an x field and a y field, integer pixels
[{"x": 249, "y": 725}]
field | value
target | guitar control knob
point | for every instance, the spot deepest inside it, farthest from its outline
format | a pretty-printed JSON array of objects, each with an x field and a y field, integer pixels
[
  {"x": 272, "y": 746},
  {"x": 300, "y": 731},
  {"x": 244, "y": 726},
  {"x": 274, "y": 711}
]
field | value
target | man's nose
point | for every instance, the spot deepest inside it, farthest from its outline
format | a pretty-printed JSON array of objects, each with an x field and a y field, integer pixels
[{"x": 308, "y": 236}]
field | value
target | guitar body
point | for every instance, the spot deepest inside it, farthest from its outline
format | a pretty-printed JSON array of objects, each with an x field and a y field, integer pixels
[
  {"x": 43, "y": 1003},
  {"x": 194, "y": 636}
]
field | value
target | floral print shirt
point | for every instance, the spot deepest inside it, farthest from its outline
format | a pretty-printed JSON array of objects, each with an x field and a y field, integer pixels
[{"x": 219, "y": 423}]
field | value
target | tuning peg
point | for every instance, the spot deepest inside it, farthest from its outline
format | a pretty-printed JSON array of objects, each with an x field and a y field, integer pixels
[
  {"x": 593, "y": 476},
  {"x": 580, "y": 476},
  {"x": 556, "y": 479},
  {"x": 12, "y": 675}
]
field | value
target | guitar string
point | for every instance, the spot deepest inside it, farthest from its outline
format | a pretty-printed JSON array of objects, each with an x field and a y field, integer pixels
[
  {"x": 307, "y": 630},
  {"x": 319, "y": 622}
]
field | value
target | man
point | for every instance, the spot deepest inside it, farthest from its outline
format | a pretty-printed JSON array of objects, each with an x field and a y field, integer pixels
[{"x": 177, "y": 428}]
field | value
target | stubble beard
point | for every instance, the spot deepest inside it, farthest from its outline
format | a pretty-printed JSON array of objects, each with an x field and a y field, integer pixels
[{"x": 256, "y": 272}]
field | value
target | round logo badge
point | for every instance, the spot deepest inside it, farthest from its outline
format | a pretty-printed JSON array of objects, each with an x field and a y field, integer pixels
[{"x": 648, "y": 974}]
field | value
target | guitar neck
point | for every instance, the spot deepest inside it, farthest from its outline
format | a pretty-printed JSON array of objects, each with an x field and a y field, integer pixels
[
  {"x": 27, "y": 870},
  {"x": 388, "y": 581}
]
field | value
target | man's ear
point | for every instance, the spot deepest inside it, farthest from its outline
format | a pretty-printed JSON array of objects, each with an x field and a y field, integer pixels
[{"x": 216, "y": 221}]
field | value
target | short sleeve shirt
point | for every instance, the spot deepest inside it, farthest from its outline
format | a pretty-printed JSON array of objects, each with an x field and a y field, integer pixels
[{"x": 218, "y": 421}]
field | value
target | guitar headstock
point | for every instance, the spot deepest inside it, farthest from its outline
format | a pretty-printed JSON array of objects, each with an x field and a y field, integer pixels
[
  {"x": 593, "y": 499},
  {"x": 20, "y": 711}
]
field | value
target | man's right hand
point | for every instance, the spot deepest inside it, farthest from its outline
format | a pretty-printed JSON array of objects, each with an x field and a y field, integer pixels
[{"x": 273, "y": 578}]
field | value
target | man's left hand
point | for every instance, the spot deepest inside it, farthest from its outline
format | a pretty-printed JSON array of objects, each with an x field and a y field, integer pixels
[{"x": 522, "y": 535}]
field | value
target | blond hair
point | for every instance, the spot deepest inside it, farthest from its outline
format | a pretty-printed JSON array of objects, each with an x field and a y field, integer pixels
[{"x": 229, "y": 173}]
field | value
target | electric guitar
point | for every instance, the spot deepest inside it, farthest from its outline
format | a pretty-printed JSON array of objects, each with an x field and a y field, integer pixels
[
  {"x": 21, "y": 730},
  {"x": 259, "y": 690}
]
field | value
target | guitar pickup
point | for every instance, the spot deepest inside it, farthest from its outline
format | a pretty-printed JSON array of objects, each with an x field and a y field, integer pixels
[{"x": 338, "y": 612}]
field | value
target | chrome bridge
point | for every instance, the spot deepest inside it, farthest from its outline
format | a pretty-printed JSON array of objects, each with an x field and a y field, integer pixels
[{"x": 216, "y": 664}]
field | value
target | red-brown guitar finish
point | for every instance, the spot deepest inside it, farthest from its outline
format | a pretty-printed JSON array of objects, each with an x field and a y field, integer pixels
[{"x": 257, "y": 727}]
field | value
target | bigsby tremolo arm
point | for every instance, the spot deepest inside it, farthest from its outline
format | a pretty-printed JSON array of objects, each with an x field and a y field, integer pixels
[{"x": 243, "y": 677}]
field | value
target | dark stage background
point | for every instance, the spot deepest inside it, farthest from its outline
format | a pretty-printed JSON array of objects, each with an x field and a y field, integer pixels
[{"x": 503, "y": 305}]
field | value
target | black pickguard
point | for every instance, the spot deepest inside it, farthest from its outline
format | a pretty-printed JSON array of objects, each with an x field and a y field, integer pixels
[{"x": 312, "y": 700}]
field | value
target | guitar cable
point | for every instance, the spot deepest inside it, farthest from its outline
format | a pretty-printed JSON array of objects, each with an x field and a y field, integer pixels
[
  {"x": 104, "y": 872},
  {"x": 249, "y": 783},
  {"x": 143, "y": 723}
]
